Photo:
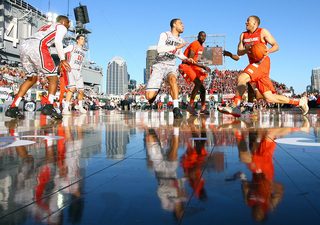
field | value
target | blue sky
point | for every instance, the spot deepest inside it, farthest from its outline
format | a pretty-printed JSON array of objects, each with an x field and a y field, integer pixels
[{"x": 127, "y": 28}]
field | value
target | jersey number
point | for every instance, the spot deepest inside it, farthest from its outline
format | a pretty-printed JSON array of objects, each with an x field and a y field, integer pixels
[{"x": 13, "y": 27}]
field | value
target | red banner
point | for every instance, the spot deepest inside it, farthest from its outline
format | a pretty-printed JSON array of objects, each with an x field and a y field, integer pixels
[{"x": 217, "y": 56}]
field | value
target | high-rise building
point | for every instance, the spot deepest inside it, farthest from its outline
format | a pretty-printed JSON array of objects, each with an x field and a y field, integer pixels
[
  {"x": 151, "y": 56},
  {"x": 117, "y": 76},
  {"x": 315, "y": 80}
]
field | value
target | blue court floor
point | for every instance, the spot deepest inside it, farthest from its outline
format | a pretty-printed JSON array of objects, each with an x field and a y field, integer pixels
[{"x": 145, "y": 167}]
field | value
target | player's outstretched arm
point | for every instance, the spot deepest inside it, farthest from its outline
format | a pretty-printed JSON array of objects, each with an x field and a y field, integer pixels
[
  {"x": 191, "y": 55},
  {"x": 232, "y": 56},
  {"x": 181, "y": 45},
  {"x": 190, "y": 60},
  {"x": 63, "y": 65}
]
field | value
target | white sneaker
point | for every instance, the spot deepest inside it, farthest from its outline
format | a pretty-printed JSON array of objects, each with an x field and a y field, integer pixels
[
  {"x": 82, "y": 110},
  {"x": 233, "y": 110},
  {"x": 226, "y": 109},
  {"x": 303, "y": 105},
  {"x": 236, "y": 112},
  {"x": 66, "y": 111},
  {"x": 77, "y": 107}
]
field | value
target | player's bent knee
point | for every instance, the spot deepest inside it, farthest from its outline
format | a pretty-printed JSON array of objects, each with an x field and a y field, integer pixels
[
  {"x": 243, "y": 78},
  {"x": 72, "y": 90},
  {"x": 32, "y": 79},
  {"x": 150, "y": 95}
]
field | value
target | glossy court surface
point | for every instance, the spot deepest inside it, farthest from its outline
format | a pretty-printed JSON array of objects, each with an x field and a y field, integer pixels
[{"x": 144, "y": 167}]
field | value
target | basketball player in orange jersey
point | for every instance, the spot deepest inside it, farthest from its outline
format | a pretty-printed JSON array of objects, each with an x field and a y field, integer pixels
[
  {"x": 258, "y": 71},
  {"x": 169, "y": 48},
  {"x": 252, "y": 90},
  {"x": 193, "y": 73},
  {"x": 35, "y": 57}
]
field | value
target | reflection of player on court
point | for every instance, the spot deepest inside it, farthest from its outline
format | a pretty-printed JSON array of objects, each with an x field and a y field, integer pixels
[
  {"x": 194, "y": 158},
  {"x": 35, "y": 57},
  {"x": 193, "y": 72},
  {"x": 169, "y": 48},
  {"x": 73, "y": 79},
  {"x": 69, "y": 154},
  {"x": 35, "y": 179},
  {"x": 261, "y": 193},
  {"x": 258, "y": 71},
  {"x": 171, "y": 189}
]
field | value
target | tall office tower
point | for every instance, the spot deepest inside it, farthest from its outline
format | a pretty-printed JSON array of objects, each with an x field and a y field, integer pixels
[
  {"x": 151, "y": 56},
  {"x": 117, "y": 76}
]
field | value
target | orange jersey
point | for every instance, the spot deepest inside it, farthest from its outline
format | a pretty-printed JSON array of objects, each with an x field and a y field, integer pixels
[
  {"x": 197, "y": 48},
  {"x": 249, "y": 38}
]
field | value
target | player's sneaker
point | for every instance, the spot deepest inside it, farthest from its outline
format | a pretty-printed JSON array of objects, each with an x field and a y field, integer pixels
[
  {"x": 176, "y": 113},
  {"x": 66, "y": 111},
  {"x": 235, "y": 111},
  {"x": 248, "y": 112},
  {"x": 49, "y": 110},
  {"x": 13, "y": 112},
  {"x": 303, "y": 105},
  {"x": 191, "y": 109},
  {"x": 204, "y": 111},
  {"x": 226, "y": 109},
  {"x": 82, "y": 110}
]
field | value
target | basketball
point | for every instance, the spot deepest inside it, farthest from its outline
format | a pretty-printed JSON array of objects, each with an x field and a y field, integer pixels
[{"x": 258, "y": 50}]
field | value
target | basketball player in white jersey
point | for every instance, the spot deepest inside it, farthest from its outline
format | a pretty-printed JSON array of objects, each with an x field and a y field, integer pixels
[
  {"x": 35, "y": 57},
  {"x": 74, "y": 80},
  {"x": 169, "y": 48}
]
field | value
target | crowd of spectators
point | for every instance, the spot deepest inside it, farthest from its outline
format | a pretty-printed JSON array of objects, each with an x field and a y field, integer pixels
[{"x": 220, "y": 82}]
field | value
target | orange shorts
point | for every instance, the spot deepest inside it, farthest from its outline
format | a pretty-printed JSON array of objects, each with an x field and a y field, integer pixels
[
  {"x": 190, "y": 72},
  {"x": 259, "y": 73}
]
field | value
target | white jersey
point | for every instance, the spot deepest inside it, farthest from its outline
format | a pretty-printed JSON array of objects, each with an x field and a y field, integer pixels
[
  {"x": 167, "y": 53},
  {"x": 75, "y": 56},
  {"x": 49, "y": 35}
]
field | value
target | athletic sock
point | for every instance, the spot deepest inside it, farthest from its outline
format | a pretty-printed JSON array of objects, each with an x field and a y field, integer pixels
[
  {"x": 191, "y": 101},
  {"x": 203, "y": 104},
  {"x": 51, "y": 99},
  {"x": 237, "y": 100},
  {"x": 66, "y": 105},
  {"x": 80, "y": 103},
  {"x": 294, "y": 101},
  {"x": 16, "y": 101},
  {"x": 175, "y": 103}
]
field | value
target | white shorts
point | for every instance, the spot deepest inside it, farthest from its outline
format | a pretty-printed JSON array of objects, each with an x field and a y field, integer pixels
[
  {"x": 35, "y": 60},
  {"x": 160, "y": 73},
  {"x": 75, "y": 80}
]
